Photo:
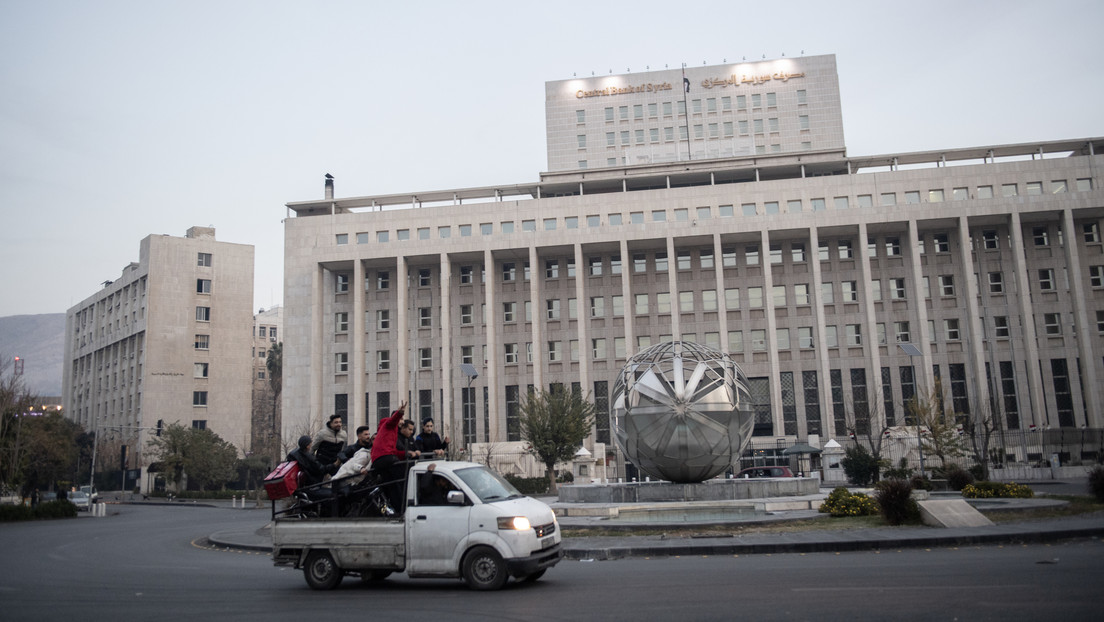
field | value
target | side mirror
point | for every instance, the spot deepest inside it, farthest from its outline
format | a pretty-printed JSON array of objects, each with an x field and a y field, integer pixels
[{"x": 455, "y": 497}]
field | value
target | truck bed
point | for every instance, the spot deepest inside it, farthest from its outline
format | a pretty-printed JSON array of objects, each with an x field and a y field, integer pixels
[{"x": 355, "y": 543}]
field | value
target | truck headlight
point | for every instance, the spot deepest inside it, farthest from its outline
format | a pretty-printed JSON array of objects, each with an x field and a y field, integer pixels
[{"x": 517, "y": 523}]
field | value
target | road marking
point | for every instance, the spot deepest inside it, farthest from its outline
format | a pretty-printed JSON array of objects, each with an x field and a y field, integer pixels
[{"x": 887, "y": 588}]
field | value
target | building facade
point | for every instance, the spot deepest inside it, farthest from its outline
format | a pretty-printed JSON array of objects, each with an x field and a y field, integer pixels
[
  {"x": 810, "y": 268},
  {"x": 268, "y": 328},
  {"x": 167, "y": 342}
]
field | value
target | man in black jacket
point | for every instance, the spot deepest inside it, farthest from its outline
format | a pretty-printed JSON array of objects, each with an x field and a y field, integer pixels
[
  {"x": 364, "y": 441},
  {"x": 313, "y": 471}
]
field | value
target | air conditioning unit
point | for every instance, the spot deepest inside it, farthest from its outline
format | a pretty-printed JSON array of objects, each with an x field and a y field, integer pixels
[{"x": 272, "y": 339}]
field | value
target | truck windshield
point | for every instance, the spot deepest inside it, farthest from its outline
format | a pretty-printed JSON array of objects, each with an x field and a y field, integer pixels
[{"x": 488, "y": 485}]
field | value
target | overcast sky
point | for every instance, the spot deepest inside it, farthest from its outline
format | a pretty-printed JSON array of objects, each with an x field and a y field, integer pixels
[{"x": 122, "y": 119}]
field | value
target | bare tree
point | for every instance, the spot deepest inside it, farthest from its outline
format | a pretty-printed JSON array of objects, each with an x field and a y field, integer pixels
[{"x": 941, "y": 437}]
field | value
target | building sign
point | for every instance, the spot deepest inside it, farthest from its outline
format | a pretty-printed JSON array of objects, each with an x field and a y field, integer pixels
[
  {"x": 649, "y": 87},
  {"x": 709, "y": 83},
  {"x": 732, "y": 80}
]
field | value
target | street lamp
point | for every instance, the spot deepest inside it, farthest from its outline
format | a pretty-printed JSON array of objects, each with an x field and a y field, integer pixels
[{"x": 472, "y": 373}]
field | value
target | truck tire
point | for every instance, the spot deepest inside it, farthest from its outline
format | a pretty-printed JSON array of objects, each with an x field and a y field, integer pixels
[
  {"x": 483, "y": 569},
  {"x": 321, "y": 571}
]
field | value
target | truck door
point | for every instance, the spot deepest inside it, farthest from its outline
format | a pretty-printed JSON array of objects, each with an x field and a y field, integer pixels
[{"x": 435, "y": 528}]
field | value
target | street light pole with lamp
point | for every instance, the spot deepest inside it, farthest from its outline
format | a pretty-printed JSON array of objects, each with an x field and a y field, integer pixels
[{"x": 912, "y": 351}]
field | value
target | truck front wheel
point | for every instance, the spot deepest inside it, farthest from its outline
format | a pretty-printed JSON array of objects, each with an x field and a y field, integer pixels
[
  {"x": 321, "y": 572},
  {"x": 483, "y": 569}
]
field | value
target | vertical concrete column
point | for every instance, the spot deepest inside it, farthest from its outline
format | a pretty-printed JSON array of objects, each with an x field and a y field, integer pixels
[
  {"x": 317, "y": 321},
  {"x": 771, "y": 337},
  {"x": 976, "y": 354},
  {"x": 448, "y": 368},
  {"x": 824, "y": 385},
  {"x": 536, "y": 329},
  {"x": 402, "y": 328},
  {"x": 358, "y": 365},
  {"x": 582, "y": 324},
  {"x": 626, "y": 294},
  {"x": 1094, "y": 418},
  {"x": 672, "y": 288},
  {"x": 874, "y": 399},
  {"x": 498, "y": 422},
  {"x": 922, "y": 370},
  {"x": 1027, "y": 324},
  {"x": 719, "y": 284}
]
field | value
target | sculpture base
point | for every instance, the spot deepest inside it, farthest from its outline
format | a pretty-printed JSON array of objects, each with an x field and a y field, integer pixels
[{"x": 711, "y": 490}]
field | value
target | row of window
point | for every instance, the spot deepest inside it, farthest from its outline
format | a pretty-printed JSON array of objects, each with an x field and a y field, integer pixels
[
  {"x": 725, "y": 129},
  {"x": 697, "y": 106},
  {"x": 706, "y": 212}
]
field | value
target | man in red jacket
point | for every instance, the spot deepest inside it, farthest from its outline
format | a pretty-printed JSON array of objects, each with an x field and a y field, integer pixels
[{"x": 388, "y": 459}]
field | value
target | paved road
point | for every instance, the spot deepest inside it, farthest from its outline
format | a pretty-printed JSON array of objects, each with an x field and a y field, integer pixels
[{"x": 141, "y": 564}]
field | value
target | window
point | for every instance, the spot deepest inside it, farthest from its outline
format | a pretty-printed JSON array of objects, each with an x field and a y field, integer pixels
[
  {"x": 203, "y": 314},
  {"x": 989, "y": 240},
  {"x": 1034, "y": 188},
  {"x": 202, "y": 342},
  {"x": 554, "y": 352},
  {"x": 341, "y": 322},
  {"x": 341, "y": 239},
  {"x": 636, "y": 218},
  {"x": 341, "y": 362},
  {"x": 805, "y": 337},
  {"x": 732, "y": 299},
  {"x": 595, "y": 266},
  {"x": 552, "y": 269},
  {"x": 782, "y": 338},
  {"x": 511, "y": 354},
  {"x": 1092, "y": 233},
  {"x": 686, "y": 302},
  {"x": 661, "y": 262},
  {"x": 1046, "y": 280},
  {"x": 598, "y": 348},
  {"x": 996, "y": 283},
  {"x": 1096, "y": 276},
  {"x": 778, "y": 295},
  {"x": 854, "y": 334},
  {"x": 509, "y": 272},
  {"x": 912, "y": 197},
  {"x": 509, "y": 311},
  {"x": 985, "y": 192},
  {"x": 466, "y": 315},
  {"x": 682, "y": 260},
  {"x": 770, "y": 207},
  {"x": 865, "y": 200},
  {"x": 845, "y": 249},
  {"x": 960, "y": 194},
  {"x": 203, "y": 286},
  {"x": 425, "y": 317},
  {"x": 758, "y": 340},
  {"x": 818, "y": 205},
  {"x": 1008, "y": 190},
  {"x": 776, "y": 254},
  {"x": 383, "y": 319},
  {"x": 1052, "y": 324},
  {"x": 383, "y": 280},
  {"x": 942, "y": 243},
  {"x": 826, "y": 294},
  {"x": 901, "y": 332},
  {"x": 755, "y": 297},
  {"x": 201, "y": 370},
  {"x": 801, "y": 294},
  {"x": 597, "y": 306},
  {"x": 880, "y": 329},
  {"x": 831, "y": 338},
  {"x": 709, "y": 300},
  {"x": 751, "y": 255},
  {"x": 850, "y": 291},
  {"x": 199, "y": 398},
  {"x": 640, "y": 307},
  {"x": 935, "y": 196},
  {"x": 950, "y": 330},
  {"x": 889, "y": 198},
  {"x": 663, "y": 302},
  {"x": 705, "y": 259},
  {"x": 203, "y": 260},
  {"x": 1084, "y": 185},
  {"x": 1040, "y": 237},
  {"x": 735, "y": 341},
  {"x": 946, "y": 285},
  {"x": 1000, "y": 326},
  {"x": 466, "y": 275},
  {"x": 425, "y": 358}
]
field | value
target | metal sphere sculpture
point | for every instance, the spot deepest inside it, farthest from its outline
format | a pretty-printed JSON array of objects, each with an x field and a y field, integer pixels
[{"x": 682, "y": 411}]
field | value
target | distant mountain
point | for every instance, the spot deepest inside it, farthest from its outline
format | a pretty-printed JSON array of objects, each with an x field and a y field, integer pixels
[{"x": 40, "y": 341}]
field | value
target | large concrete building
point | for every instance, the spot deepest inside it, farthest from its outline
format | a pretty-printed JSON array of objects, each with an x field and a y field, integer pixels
[
  {"x": 166, "y": 342},
  {"x": 808, "y": 266},
  {"x": 268, "y": 328}
]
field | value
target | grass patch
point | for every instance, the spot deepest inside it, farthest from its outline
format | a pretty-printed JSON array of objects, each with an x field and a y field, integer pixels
[
  {"x": 1076, "y": 507},
  {"x": 735, "y": 529}
]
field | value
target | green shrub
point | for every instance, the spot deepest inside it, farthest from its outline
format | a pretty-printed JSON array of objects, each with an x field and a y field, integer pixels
[
  {"x": 957, "y": 477},
  {"x": 978, "y": 472},
  {"x": 843, "y": 502},
  {"x": 894, "y": 497},
  {"x": 56, "y": 509},
  {"x": 15, "y": 512},
  {"x": 1096, "y": 482},
  {"x": 920, "y": 482},
  {"x": 529, "y": 485},
  {"x": 860, "y": 466},
  {"x": 997, "y": 490},
  {"x": 901, "y": 471}
]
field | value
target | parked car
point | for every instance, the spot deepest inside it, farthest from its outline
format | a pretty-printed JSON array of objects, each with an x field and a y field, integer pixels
[
  {"x": 92, "y": 493},
  {"x": 766, "y": 471},
  {"x": 81, "y": 500}
]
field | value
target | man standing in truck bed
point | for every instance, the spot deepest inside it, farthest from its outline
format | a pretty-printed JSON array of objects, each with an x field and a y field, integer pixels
[{"x": 388, "y": 460}]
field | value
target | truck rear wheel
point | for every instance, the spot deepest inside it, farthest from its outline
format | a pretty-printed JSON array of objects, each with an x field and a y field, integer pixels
[
  {"x": 483, "y": 569},
  {"x": 321, "y": 571}
]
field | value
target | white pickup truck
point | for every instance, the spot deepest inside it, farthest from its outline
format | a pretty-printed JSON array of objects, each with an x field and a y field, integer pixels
[{"x": 461, "y": 520}]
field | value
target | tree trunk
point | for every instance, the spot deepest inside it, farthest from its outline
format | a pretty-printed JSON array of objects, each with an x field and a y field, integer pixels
[{"x": 551, "y": 478}]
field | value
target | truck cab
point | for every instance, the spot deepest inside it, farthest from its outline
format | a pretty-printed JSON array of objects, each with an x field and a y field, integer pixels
[{"x": 460, "y": 520}]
